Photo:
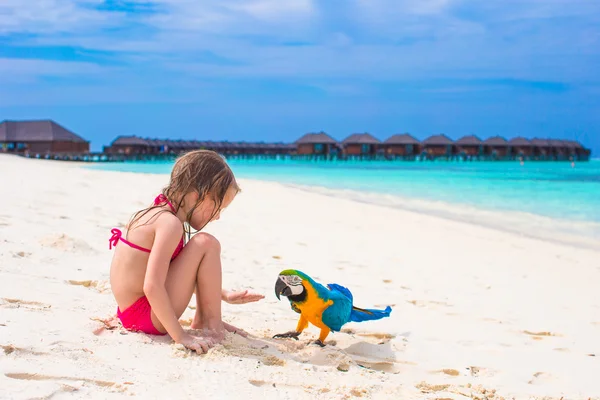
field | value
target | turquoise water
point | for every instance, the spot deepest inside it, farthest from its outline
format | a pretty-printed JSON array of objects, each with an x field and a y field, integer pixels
[{"x": 555, "y": 190}]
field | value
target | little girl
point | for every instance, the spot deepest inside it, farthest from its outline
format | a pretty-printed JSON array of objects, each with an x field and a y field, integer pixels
[{"x": 154, "y": 272}]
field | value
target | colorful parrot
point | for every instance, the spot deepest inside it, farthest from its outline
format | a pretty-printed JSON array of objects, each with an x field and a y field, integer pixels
[{"x": 327, "y": 308}]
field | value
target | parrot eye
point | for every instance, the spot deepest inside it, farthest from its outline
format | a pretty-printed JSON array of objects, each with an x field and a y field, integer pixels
[{"x": 294, "y": 280}]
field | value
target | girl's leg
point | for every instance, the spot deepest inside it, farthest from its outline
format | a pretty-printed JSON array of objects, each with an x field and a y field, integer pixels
[
  {"x": 197, "y": 268},
  {"x": 198, "y": 323}
]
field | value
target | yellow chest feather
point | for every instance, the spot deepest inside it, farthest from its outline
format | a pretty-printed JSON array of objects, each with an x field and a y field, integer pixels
[{"x": 313, "y": 308}]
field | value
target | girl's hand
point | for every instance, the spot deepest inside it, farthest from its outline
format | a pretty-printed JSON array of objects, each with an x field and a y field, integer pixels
[
  {"x": 195, "y": 343},
  {"x": 234, "y": 330},
  {"x": 241, "y": 297}
]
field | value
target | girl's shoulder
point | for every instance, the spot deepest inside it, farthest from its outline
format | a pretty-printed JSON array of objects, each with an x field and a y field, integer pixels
[
  {"x": 168, "y": 221},
  {"x": 157, "y": 219}
]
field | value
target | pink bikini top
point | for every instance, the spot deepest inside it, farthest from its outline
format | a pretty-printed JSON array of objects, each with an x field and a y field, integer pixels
[{"x": 118, "y": 235}]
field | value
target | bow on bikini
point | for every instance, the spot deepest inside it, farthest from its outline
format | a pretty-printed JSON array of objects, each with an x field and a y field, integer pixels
[{"x": 114, "y": 239}]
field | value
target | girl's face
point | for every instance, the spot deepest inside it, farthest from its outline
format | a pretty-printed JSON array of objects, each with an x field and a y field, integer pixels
[{"x": 203, "y": 213}]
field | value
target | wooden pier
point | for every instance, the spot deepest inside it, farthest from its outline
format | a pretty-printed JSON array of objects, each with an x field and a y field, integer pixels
[
  {"x": 317, "y": 147},
  {"x": 425, "y": 157}
]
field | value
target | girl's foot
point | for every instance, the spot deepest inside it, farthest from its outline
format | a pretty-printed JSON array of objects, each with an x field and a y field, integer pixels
[{"x": 210, "y": 324}]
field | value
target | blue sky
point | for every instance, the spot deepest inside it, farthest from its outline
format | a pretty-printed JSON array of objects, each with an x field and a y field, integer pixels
[{"x": 273, "y": 70}]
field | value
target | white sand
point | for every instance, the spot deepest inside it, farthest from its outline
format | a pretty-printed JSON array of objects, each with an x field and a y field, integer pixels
[{"x": 477, "y": 312}]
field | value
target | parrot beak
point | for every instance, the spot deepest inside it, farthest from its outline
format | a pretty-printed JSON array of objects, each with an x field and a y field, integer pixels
[{"x": 281, "y": 288}]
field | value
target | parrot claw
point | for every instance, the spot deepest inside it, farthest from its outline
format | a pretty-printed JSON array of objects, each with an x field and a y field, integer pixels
[{"x": 290, "y": 334}]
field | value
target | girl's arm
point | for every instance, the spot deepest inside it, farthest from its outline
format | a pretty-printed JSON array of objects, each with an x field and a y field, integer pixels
[
  {"x": 240, "y": 297},
  {"x": 166, "y": 238}
]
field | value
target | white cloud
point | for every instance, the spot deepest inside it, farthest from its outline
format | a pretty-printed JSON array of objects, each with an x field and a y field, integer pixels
[
  {"x": 231, "y": 17},
  {"x": 217, "y": 16},
  {"x": 274, "y": 10},
  {"x": 398, "y": 21},
  {"x": 367, "y": 39},
  {"x": 541, "y": 9},
  {"x": 53, "y": 16},
  {"x": 382, "y": 8}
]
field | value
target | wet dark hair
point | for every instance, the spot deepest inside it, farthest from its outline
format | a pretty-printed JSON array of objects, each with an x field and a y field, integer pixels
[{"x": 202, "y": 171}]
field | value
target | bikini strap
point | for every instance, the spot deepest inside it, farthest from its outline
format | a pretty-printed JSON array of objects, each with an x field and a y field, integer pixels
[
  {"x": 114, "y": 239},
  {"x": 161, "y": 198},
  {"x": 118, "y": 235}
]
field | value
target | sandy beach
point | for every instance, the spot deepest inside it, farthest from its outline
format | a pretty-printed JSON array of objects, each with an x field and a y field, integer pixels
[{"x": 478, "y": 312}]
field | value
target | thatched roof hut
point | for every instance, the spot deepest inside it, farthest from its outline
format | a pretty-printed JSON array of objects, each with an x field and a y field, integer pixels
[
  {"x": 537, "y": 142},
  {"x": 361, "y": 138},
  {"x": 130, "y": 141},
  {"x": 402, "y": 144},
  {"x": 317, "y": 143},
  {"x": 469, "y": 145},
  {"x": 402, "y": 139},
  {"x": 470, "y": 140},
  {"x": 519, "y": 142},
  {"x": 438, "y": 140},
  {"x": 40, "y": 136},
  {"x": 316, "y": 138},
  {"x": 496, "y": 141},
  {"x": 438, "y": 146},
  {"x": 361, "y": 144},
  {"x": 496, "y": 147},
  {"x": 130, "y": 144},
  {"x": 572, "y": 144}
]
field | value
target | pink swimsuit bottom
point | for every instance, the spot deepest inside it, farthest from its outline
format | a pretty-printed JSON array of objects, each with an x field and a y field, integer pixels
[{"x": 138, "y": 316}]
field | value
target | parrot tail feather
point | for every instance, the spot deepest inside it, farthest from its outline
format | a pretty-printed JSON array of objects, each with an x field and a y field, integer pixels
[{"x": 360, "y": 314}]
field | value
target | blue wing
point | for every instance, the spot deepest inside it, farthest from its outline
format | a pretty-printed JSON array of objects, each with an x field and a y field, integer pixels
[
  {"x": 359, "y": 314},
  {"x": 334, "y": 287},
  {"x": 337, "y": 314}
]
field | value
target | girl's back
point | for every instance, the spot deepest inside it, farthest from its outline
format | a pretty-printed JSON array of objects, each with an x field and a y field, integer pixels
[{"x": 130, "y": 260}]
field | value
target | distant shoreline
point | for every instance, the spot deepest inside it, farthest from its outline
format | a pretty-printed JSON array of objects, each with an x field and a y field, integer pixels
[{"x": 585, "y": 235}]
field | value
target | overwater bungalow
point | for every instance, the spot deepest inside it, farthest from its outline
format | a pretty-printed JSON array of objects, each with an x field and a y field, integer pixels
[
  {"x": 139, "y": 145},
  {"x": 541, "y": 149},
  {"x": 569, "y": 149},
  {"x": 39, "y": 137},
  {"x": 438, "y": 146},
  {"x": 47, "y": 139},
  {"x": 559, "y": 150},
  {"x": 129, "y": 145},
  {"x": 317, "y": 144},
  {"x": 496, "y": 148},
  {"x": 469, "y": 146},
  {"x": 520, "y": 148},
  {"x": 583, "y": 154},
  {"x": 576, "y": 151},
  {"x": 402, "y": 145},
  {"x": 178, "y": 146},
  {"x": 134, "y": 145},
  {"x": 157, "y": 146},
  {"x": 361, "y": 144}
]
